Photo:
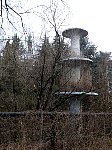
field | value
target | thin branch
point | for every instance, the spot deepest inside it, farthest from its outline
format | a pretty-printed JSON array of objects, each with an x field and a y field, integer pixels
[
  {"x": 9, "y": 19},
  {"x": 29, "y": 10},
  {"x": 1, "y": 9},
  {"x": 17, "y": 14}
]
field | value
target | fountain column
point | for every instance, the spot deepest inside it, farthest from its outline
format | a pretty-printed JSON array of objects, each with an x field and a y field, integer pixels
[{"x": 76, "y": 78}]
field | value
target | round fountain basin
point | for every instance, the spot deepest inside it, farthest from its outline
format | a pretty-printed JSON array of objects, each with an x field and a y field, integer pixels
[
  {"x": 72, "y": 31},
  {"x": 71, "y": 59}
]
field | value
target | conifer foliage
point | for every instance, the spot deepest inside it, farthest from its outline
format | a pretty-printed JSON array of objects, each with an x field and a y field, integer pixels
[{"x": 31, "y": 83}]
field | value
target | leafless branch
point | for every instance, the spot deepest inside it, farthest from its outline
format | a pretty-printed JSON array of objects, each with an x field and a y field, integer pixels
[{"x": 1, "y": 9}]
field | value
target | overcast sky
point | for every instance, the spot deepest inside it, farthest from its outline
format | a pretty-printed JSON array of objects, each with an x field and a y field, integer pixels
[{"x": 95, "y": 16}]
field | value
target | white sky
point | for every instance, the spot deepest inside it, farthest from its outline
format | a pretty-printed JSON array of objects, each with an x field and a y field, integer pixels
[{"x": 95, "y": 16}]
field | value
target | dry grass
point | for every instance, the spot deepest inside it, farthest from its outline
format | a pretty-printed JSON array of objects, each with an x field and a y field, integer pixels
[
  {"x": 70, "y": 131},
  {"x": 95, "y": 144}
]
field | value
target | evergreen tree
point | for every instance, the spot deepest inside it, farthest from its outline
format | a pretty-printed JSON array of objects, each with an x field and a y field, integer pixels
[
  {"x": 87, "y": 48},
  {"x": 99, "y": 74},
  {"x": 11, "y": 72},
  {"x": 100, "y": 80},
  {"x": 48, "y": 71}
]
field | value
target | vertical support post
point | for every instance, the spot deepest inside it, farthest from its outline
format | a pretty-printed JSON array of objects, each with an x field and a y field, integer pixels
[{"x": 53, "y": 133}]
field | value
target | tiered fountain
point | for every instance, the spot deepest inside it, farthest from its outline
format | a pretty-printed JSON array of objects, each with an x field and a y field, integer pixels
[{"x": 76, "y": 80}]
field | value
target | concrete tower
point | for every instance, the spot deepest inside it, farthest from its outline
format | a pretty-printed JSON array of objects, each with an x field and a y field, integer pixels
[{"x": 76, "y": 79}]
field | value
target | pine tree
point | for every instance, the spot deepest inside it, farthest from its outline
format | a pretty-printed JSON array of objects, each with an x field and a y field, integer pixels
[
  {"x": 87, "y": 48},
  {"x": 100, "y": 80},
  {"x": 11, "y": 72},
  {"x": 47, "y": 71}
]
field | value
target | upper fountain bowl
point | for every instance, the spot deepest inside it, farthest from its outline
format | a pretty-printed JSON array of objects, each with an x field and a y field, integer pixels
[{"x": 73, "y": 31}]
